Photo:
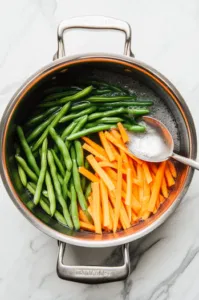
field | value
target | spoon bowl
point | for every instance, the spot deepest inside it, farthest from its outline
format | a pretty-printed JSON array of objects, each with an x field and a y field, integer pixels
[{"x": 156, "y": 144}]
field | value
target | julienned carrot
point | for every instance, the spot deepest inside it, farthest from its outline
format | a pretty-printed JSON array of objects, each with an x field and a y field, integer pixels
[
  {"x": 88, "y": 174},
  {"x": 115, "y": 152},
  {"x": 128, "y": 199},
  {"x": 106, "y": 146},
  {"x": 172, "y": 168},
  {"x": 154, "y": 168},
  {"x": 169, "y": 177},
  {"x": 132, "y": 167},
  {"x": 82, "y": 216},
  {"x": 111, "y": 214},
  {"x": 115, "y": 142},
  {"x": 118, "y": 195},
  {"x": 87, "y": 226},
  {"x": 137, "y": 181},
  {"x": 93, "y": 151},
  {"x": 124, "y": 159},
  {"x": 164, "y": 188},
  {"x": 100, "y": 172},
  {"x": 129, "y": 187},
  {"x": 147, "y": 172},
  {"x": 104, "y": 201},
  {"x": 156, "y": 187},
  {"x": 116, "y": 134},
  {"x": 113, "y": 165},
  {"x": 96, "y": 207},
  {"x": 123, "y": 132},
  {"x": 135, "y": 205},
  {"x": 161, "y": 199},
  {"x": 94, "y": 145},
  {"x": 140, "y": 179}
]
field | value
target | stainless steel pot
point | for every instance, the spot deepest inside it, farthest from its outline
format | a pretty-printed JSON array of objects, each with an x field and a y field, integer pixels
[{"x": 113, "y": 68}]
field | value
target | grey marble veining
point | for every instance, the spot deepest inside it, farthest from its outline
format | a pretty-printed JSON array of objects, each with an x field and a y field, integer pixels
[{"x": 165, "y": 264}]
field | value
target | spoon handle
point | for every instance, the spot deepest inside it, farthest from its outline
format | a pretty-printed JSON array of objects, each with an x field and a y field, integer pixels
[{"x": 186, "y": 161}]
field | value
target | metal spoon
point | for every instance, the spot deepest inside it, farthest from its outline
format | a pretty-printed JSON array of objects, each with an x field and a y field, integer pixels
[{"x": 156, "y": 144}]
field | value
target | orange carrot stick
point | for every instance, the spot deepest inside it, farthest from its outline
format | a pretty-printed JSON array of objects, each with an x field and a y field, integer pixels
[
  {"x": 82, "y": 216},
  {"x": 154, "y": 168},
  {"x": 116, "y": 134},
  {"x": 88, "y": 174},
  {"x": 124, "y": 159},
  {"x": 106, "y": 146},
  {"x": 100, "y": 172},
  {"x": 169, "y": 177},
  {"x": 93, "y": 151},
  {"x": 172, "y": 168},
  {"x": 156, "y": 187},
  {"x": 87, "y": 226},
  {"x": 131, "y": 164},
  {"x": 129, "y": 187},
  {"x": 115, "y": 152},
  {"x": 164, "y": 188},
  {"x": 118, "y": 195},
  {"x": 115, "y": 142},
  {"x": 95, "y": 146},
  {"x": 123, "y": 132},
  {"x": 104, "y": 201},
  {"x": 113, "y": 165},
  {"x": 161, "y": 199},
  {"x": 147, "y": 172},
  {"x": 96, "y": 208}
]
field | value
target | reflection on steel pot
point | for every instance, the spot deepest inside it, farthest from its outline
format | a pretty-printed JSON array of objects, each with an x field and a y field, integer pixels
[{"x": 126, "y": 71}]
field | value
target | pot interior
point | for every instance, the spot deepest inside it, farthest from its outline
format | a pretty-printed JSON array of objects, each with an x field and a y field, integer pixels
[{"x": 167, "y": 107}]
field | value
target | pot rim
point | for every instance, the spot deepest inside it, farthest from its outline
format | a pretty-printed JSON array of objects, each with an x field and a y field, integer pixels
[{"x": 51, "y": 67}]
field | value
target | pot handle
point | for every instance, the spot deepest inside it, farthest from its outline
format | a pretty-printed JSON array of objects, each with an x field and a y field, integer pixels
[
  {"x": 93, "y": 22},
  {"x": 93, "y": 274}
]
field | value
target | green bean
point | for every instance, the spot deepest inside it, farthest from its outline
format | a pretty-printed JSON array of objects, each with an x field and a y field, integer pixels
[
  {"x": 30, "y": 158},
  {"x": 42, "y": 173},
  {"x": 80, "y": 106},
  {"x": 62, "y": 148},
  {"x": 83, "y": 178},
  {"x": 88, "y": 190},
  {"x": 66, "y": 99},
  {"x": 26, "y": 168},
  {"x": 101, "y": 92},
  {"x": 79, "y": 114},
  {"x": 120, "y": 110},
  {"x": 45, "y": 206},
  {"x": 79, "y": 153},
  {"x": 41, "y": 117},
  {"x": 65, "y": 184},
  {"x": 135, "y": 128},
  {"x": 129, "y": 120},
  {"x": 113, "y": 112},
  {"x": 39, "y": 129},
  {"x": 80, "y": 124},
  {"x": 77, "y": 182},
  {"x": 59, "y": 89},
  {"x": 51, "y": 194},
  {"x": 84, "y": 132},
  {"x": 60, "y": 178},
  {"x": 56, "y": 96},
  {"x": 107, "y": 85},
  {"x": 109, "y": 98},
  {"x": 137, "y": 112},
  {"x": 22, "y": 175},
  {"x": 74, "y": 209},
  {"x": 105, "y": 120},
  {"x": 70, "y": 128},
  {"x": 58, "y": 163},
  {"x": 58, "y": 191},
  {"x": 128, "y": 103},
  {"x": 54, "y": 122}
]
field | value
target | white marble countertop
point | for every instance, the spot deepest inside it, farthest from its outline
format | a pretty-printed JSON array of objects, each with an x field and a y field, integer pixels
[{"x": 165, "y": 264}]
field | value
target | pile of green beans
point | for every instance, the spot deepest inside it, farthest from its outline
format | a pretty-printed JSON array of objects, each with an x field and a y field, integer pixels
[{"x": 49, "y": 150}]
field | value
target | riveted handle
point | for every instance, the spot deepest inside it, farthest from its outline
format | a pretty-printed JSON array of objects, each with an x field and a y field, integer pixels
[
  {"x": 93, "y": 22},
  {"x": 93, "y": 274}
]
